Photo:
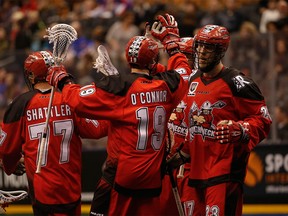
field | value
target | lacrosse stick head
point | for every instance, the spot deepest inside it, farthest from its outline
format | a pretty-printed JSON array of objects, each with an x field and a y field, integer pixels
[
  {"x": 7, "y": 197},
  {"x": 103, "y": 62},
  {"x": 61, "y": 35}
]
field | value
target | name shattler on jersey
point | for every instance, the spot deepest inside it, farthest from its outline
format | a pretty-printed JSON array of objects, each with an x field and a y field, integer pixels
[
  {"x": 41, "y": 113},
  {"x": 149, "y": 97}
]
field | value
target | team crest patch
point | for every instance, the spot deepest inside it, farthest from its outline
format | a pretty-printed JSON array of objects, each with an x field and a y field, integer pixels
[
  {"x": 192, "y": 88},
  {"x": 239, "y": 82}
]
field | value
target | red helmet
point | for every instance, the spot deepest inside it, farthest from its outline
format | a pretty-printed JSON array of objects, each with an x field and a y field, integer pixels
[
  {"x": 142, "y": 52},
  {"x": 186, "y": 47},
  {"x": 216, "y": 39},
  {"x": 214, "y": 34},
  {"x": 186, "y": 44},
  {"x": 36, "y": 67}
]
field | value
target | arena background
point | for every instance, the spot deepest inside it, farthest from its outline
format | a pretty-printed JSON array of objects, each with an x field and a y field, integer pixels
[{"x": 261, "y": 55}]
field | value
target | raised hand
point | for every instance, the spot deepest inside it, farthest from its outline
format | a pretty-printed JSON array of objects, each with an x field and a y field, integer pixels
[
  {"x": 166, "y": 30},
  {"x": 57, "y": 76}
]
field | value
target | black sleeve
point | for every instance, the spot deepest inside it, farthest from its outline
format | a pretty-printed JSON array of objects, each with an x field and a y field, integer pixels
[
  {"x": 16, "y": 109},
  {"x": 241, "y": 85},
  {"x": 171, "y": 77}
]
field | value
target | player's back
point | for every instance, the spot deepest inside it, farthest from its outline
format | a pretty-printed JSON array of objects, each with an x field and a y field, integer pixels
[
  {"x": 60, "y": 177},
  {"x": 145, "y": 110}
]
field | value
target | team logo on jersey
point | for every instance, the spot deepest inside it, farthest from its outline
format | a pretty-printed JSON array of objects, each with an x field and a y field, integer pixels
[
  {"x": 2, "y": 136},
  {"x": 87, "y": 90},
  {"x": 239, "y": 82},
  {"x": 201, "y": 119},
  {"x": 192, "y": 88},
  {"x": 176, "y": 121}
]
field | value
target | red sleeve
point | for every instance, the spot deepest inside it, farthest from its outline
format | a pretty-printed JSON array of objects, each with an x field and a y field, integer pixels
[
  {"x": 92, "y": 129},
  {"x": 160, "y": 68},
  {"x": 182, "y": 67},
  {"x": 259, "y": 122},
  {"x": 92, "y": 100}
]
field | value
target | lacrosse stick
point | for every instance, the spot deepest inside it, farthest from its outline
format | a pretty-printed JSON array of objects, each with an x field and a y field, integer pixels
[
  {"x": 103, "y": 62},
  {"x": 174, "y": 185},
  {"x": 61, "y": 35},
  {"x": 7, "y": 197}
]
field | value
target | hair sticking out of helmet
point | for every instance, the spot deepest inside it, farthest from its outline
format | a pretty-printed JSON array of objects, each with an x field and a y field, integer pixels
[
  {"x": 215, "y": 40},
  {"x": 36, "y": 67},
  {"x": 142, "y": 52}
]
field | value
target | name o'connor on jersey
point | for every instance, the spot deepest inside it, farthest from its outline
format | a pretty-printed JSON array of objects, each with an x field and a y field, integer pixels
[
  {"x": 41, "y": 113},
  {"x": 149, "y": 97}
]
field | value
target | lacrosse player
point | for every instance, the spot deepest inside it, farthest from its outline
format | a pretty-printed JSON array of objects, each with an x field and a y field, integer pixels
[
  {"x": 57, "y": 188},
  {"x": 101, "y": 198},
  {"x": 138, "y": 106},
  {"x": 227, "y": 117}
]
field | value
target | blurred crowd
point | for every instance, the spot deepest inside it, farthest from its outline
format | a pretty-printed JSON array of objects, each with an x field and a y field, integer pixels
[{"x": 259, "y": 45}]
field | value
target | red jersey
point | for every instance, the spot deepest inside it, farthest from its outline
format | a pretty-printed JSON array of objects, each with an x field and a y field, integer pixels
[
  {"x": 232, "y": 96},
  {"x": 60, "y": 179},
  {"x": 138, "y": 107}
]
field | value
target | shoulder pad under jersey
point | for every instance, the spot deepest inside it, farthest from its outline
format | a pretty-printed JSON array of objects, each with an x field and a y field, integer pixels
[
  {"x": 241, "y": 85},
  {"x": 16, "y": 108}
]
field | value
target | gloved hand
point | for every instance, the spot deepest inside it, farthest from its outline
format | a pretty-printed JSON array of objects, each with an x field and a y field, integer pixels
[
  {"x": 229, "y": 131},
  {"x": 20, "y": 168},
  {"x": 149, "y": 35},
  {"x": 58, "y": 77},
  {"x": 166, "y": 30},
  {"x": 177, "y": 160}
]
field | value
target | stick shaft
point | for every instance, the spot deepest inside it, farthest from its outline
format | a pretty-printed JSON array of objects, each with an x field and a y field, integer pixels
[
  {"x": 176, "y": 193},
  {"x": 181, "y": 171},
  {"x": 44, "y": 135}
]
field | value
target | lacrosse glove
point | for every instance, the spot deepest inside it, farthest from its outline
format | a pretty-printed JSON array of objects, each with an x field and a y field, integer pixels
[
  {"x": 177, "y": 160},
  {"x": 229, "y": 131},
  {"x": 58, "y": 77},
  {"x": 20, "y": 168},
  {"x": 166, "y": 30}
]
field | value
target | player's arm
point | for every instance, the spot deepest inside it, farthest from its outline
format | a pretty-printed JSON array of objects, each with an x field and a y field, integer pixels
[
  {"x": 92, "y": 129},
  {"x": 254, "y": 119}
]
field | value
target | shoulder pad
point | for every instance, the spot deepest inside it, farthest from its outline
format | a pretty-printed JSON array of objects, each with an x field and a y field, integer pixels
[
  {"x": 241, "y": 85},
  {"x": 16, "y": 108}
]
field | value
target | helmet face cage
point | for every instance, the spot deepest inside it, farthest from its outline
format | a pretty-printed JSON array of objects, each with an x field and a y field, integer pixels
[
  {"x": 142, "y": 53},
  {"x": 215, "y": 40},
  {"x": 36, "y": 67}
]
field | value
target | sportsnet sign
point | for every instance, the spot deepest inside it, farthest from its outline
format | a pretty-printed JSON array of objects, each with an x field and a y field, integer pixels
[{"x": 267, "y": 175}]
